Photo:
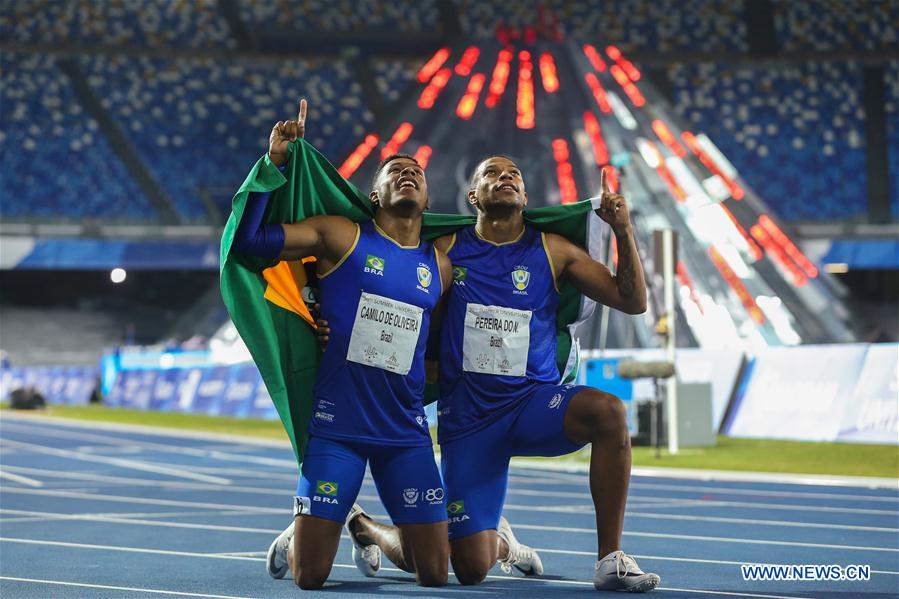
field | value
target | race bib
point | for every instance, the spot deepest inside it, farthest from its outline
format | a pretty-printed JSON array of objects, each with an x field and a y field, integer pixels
[
  {"x": 385, "y": 333},
  {"x": 496, "y": 340}
]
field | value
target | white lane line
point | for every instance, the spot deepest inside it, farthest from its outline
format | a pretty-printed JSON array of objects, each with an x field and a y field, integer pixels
[
  {"x": 18, "y": 478},
  {"x": 348, "y": 566},
  {"x": 763, "y": 492},
  {"x": 114, "y": 442},
  {"x": 662, "y": 535},
  {"x": 117, "y": 588},
  {"x": 738, "y": 504},
  {"x": 754, "y": 522},
  {"x": 121, "y": 462},
  {"x": 147, "y": 500}
]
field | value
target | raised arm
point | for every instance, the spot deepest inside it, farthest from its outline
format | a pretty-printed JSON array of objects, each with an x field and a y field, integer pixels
[{"x": 625, "y": 290}]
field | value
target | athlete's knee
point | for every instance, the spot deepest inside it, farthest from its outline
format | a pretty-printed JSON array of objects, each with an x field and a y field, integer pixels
[
  {"x": 471, "y": 570},
  {"x": 607, "y": 413},
  {"x": 309, "y": 579},
  {"x": 433, "y": 575}
]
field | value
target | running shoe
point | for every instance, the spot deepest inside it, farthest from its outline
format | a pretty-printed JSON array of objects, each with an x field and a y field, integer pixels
[
  {"x": 521, "y": 557},
  {"x": 366, "y": 557},
  {"x": 620, "y": 572},
  {"x": 276, "y": 561}
]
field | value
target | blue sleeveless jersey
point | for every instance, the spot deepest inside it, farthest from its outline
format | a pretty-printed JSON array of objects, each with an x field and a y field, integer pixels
[
  {"x": 498, "y": 341},
  {"x": 376, "y": 288}
]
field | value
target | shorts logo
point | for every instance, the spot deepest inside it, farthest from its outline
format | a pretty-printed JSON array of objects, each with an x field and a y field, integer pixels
[
  {"x": 421, "y": 420},
  {"x": 556, "y": 401},
  {"x": 459, "y": 274},
  {"x": 301, "y": 505},
  {"x": 521, "y": 278},
  {"x": 411, "y": 497},
  {"x": 455, "y": 507},
  {"x": 434, "y": 496},
  {"x": 325, "y": 487},
  {"x": 374, "y": 265},
  {"x": 324, "y": 416},
  {"x": 424, "y": 277}
]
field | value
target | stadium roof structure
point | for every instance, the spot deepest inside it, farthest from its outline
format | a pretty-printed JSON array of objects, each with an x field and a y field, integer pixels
[{"x": 563, "y": 111}]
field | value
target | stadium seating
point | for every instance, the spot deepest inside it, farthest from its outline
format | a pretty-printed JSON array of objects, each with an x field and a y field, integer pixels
[
  {"x": 393, "y": 77},
  {"x": 43, "y": 126},
  {"x": 335, "y": 16},
  {"x": 795, "y": 133},
  {"x": 892, "y": 109},
  {"x": 837, "y": 25},
  {"x": 660, "y": 25},
  {"x": 200, "y": 124},
  {"x": 111, "y": 22}
]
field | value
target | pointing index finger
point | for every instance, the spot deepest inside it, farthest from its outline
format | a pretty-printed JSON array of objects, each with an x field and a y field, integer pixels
[
  {"x": 604, "y": 182},
  {"x": 302, "y": 116}
]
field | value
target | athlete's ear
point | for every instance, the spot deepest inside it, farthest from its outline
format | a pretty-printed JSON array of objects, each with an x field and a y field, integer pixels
[
  {"x": 525, "y": 194},
  {"x": 472, "y": 197},
  {"x": 373, "y": 196}
]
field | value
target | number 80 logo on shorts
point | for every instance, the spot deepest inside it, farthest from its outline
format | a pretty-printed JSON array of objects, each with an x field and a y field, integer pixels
[{"x": 434, "y": 496}]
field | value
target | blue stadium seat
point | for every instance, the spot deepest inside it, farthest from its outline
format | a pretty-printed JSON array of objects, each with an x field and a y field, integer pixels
[
  {"x": 129, "y": 22},
  {"x": 344, "y": 15},
  {"x": 57, "y": 165},
  {"x": 393, "y": 77},
  {"x": 661, "y": 25},
  {"x": 795, "y": 133},
  {"x": 200, "y": 124},
  {"x": 892, "y": 109},
  {"x": 826, "y": 25}
]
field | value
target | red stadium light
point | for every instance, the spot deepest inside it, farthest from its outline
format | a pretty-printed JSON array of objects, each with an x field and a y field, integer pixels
[
  {"x": 598, "y": 92},
  {"x": 778, "y": 255},
  {"x": 358, "y": 156},
  {"x": 753, "y": 248},
  {"x": 525, "y": 100},
  {"x": 629, "y": 88},
  {"x": 613, "y": 53},
  {"x": 429, "y": 94},
  {"x": 469, "y": 58},
  {"x": 600, "y": 151},
  {"x": 548, "y": 73},
  {"x": 595, "y": 59},
  {"x": 667, "y": 138},
  {"x": 661, "y": 168},
  {"x": 423, "y": 156},
  {"x": 564, "y": 171},
  {"x": 626, "y": 65},
  {"x": 470, "y": 100},
  {"x": 400, "y": 136},
  {"x": 499, "y": 78},
  {"x": 737, "y": 285},
  {"x": 429, "y": 68},
  {"x": 788, "y": 246},
  {"x": 736, "y": 192}
]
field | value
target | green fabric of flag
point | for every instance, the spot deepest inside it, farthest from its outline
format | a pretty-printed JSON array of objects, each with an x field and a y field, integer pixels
[{"x": 283, "y": 345}]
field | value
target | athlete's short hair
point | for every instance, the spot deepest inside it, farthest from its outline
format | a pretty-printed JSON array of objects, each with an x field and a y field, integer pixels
[
  {"x": 384, "y": 162},
  {"x": 474, "y": 174}
]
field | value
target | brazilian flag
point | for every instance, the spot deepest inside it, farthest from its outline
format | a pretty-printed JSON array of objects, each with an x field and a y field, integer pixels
[{"x": 265, "y": 300}]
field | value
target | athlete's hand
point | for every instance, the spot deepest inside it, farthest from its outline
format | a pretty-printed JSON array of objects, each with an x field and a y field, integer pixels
[
  {"x": 285, "y": 132},
  {"x": 612, "y": 206},
  {"x": 322, "y": 330}
]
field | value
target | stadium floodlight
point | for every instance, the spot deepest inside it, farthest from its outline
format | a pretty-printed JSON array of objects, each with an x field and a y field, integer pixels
[{"x": 117, "y": 275}]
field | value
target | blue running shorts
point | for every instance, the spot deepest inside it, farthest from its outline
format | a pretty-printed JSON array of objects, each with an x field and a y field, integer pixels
[
  {"x": 407, "y": 480},
  {"x": 476, "y": 467}
]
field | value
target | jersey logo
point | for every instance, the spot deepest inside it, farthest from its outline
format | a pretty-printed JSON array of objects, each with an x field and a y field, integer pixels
[
  {"x": 521, "y": 278},
  {"x": 456, "y": 507},
  {"x": 325, "y": 487},
  {"x": 374, "y": 265},
  {"x": 459, "y": 274},
  {"x": 424, "y": 277}
]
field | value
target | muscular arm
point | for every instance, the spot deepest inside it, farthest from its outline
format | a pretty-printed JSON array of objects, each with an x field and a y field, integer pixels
[{"x": 625, "y": 291}]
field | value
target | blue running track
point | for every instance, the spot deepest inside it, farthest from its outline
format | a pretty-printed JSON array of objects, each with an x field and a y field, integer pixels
[{"x": 90, "y": 511}]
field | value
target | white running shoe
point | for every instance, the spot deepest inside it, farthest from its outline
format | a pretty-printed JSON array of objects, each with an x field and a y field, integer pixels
[
  {"x": 276, "y": 561},
  {"x": 620, "y": 572},
  {"x": 522, "y": 557},
  {"x": 366, "y": 557}
]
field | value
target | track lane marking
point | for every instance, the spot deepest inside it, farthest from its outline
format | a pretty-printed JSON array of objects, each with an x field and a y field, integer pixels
[{"x": 118, "y": 588}]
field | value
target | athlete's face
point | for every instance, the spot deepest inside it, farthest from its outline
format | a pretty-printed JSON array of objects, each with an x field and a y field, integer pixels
[
  {"x": 497, "y": 182},
  {"x": 401, "y": 183}
]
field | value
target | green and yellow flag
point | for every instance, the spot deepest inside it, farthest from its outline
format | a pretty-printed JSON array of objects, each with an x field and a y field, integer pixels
[{"x": 265, "y": 301}]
